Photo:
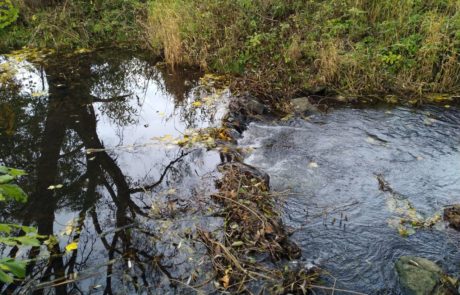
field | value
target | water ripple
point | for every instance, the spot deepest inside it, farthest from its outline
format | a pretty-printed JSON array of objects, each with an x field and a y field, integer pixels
[{"x": 339, "y": 214}]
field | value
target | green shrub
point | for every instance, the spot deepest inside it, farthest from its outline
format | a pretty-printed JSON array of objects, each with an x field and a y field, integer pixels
[
  {"x": 8, "y": 13},
  {"x": 14, "y": 268}
]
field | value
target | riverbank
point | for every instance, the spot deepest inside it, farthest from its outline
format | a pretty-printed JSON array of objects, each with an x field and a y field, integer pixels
[{"x": 396, "y": 51}]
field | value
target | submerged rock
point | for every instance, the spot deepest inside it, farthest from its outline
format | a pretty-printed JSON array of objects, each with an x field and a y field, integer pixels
[
  {"x": 420, "y": 276},
  {"x": 452, "y": 215},
  {"x": 303, "y": 105}
]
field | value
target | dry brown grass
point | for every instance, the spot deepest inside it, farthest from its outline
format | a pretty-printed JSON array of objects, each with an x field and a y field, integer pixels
[
  {"x": 163, "y": 28},
  {"x": 328, "y": 62}
]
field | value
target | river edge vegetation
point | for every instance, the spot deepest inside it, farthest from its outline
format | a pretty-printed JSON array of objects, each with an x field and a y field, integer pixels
[
  {"x": 396, "y": 50},
  {"x": 14, "y": 236}
]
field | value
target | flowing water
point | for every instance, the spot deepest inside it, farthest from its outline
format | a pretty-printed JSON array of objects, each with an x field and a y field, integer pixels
[
  {"x": 93, "y": 131},
  {"x": 329, "y": 163}
]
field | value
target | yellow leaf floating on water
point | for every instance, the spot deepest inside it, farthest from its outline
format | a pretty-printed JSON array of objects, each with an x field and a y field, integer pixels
[
  {"x": 72, "y": 246},
  {"x": 82, "y": 50},
  {"x": 403, "y": 232},
  {"x": 91, "y": 151},
  {"x": 165, "y": 138},
  {"x": 439, "y": 97},
  {"x": 370, "y": 140},
  {"x": 312, "y": 165},
  {"x": 197, "y": 104},
  {"x": 69, "y": 227},
  {"x": 39, "y": 93},
  {"x": 57, "y": 186}
]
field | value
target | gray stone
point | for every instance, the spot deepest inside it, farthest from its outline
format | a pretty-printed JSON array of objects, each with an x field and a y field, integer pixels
[
  {"x": 452, "y": 215},
  {"x": 302, "y": 105},
  {"x": 420, "y": 276},
  {"x": 255, "y": 107}
]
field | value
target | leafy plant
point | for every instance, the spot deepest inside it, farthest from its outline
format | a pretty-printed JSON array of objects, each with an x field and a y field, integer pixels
[
  {"x": 8, "y": 13},
  {"x": 285, "y": 47},
  {"x": 9, "y": 191},
  {"x": 28, "y": 236}
]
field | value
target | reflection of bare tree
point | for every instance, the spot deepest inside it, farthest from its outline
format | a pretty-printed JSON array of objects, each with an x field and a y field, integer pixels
[{"x": 69, "y": 129}]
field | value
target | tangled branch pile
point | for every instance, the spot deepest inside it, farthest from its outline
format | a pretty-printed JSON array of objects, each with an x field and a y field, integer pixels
[{"x": 254, "y": 240}]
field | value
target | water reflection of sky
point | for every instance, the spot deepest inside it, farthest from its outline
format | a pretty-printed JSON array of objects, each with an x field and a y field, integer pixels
[
  {"x": 126, "y": 127},
  {"x": 29, "y": 75}
]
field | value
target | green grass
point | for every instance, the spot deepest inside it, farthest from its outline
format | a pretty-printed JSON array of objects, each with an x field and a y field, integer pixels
[
  {"x": 283, "y": 48},
  {"x": 76, "y": 24},
  {"x": 277, "y": 48}
]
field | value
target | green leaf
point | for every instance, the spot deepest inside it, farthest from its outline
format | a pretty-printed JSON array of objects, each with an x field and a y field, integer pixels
[
  {"x": 8, "y": 14},
  {"x": 12, "y": 171},
  {"x": 13, "y": 192},
  {"x": 28, "y": 241},
  {"x": 16, "y": 267},
  {"x": 3, "y": 170},
  {"x": 5, "y": 228},
  {"x": 16, "y": 172},
  {"x": 6, "y": 178},
  {"x": 8, "y": 241},
  {"x": 29, "y": 229},
  {"x": 5, "y": 278}
]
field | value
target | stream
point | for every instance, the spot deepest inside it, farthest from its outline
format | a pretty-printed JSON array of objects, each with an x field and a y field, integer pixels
[
  {"x": 328, "y": 165},
  {"x": 95, "y": 134}
]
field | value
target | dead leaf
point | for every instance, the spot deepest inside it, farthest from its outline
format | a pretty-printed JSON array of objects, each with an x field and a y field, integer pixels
[
  {"x": 225, "y": 280},
  {"x": 197, "y": 104},
  {"x": 312, "y": 165},
  {"x": 72, "y": 246}
]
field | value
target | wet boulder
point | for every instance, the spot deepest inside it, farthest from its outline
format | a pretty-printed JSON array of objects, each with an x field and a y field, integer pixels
[
  {"x": 420, "y": 276},
  {"x": 255, "y": 107},
  {"x": 302, "y": 105},
  {"x": 249, "y": 105},
  {"x": 452, "y": 216}
]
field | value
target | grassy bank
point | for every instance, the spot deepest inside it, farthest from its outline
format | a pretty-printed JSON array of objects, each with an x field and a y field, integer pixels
[
  {"x": 277, "y": 48},
  {"x": 281, "y": 48},
  {"x": 71, "y": 24}
]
